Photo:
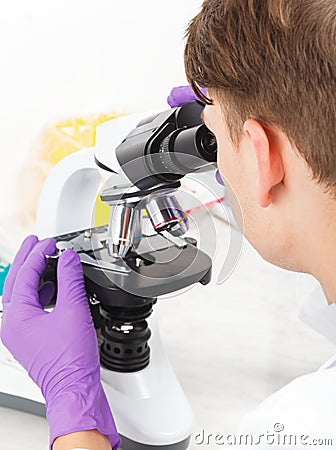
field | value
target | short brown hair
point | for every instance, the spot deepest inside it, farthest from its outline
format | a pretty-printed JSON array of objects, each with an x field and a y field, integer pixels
[{"x": 273, "y": 61}]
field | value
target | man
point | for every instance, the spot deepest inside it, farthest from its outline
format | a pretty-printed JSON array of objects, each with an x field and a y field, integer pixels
[{"x": 269, "y": 67}]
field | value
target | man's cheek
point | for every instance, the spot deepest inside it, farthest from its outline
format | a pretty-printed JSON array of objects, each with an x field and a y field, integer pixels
[
  {"x": 230, "y": 175},
  {"x": 220, "y": 162},
  {"x": 224, "y": 165},
  {"x": 235, "y": 207}
]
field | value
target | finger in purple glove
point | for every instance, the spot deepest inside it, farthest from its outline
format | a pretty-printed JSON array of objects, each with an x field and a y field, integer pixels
[
  {"x": 29, "y": 274},
  {"x": 70, "y": 281},
  {"x": 58, "y": 349},
  {"x": 180, "y": 95}
]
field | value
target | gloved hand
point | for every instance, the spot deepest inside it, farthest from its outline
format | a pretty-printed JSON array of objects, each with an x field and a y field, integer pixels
[
  {"x": 59, "y": 349},
  {"x": 180, "y": 95}
]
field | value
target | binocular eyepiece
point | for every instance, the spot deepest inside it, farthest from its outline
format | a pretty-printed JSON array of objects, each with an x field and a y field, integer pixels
[{"x": 165, "y": 147}]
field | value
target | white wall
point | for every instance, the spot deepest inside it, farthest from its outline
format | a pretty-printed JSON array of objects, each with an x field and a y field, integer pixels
[{"x": 63, "y": 57}]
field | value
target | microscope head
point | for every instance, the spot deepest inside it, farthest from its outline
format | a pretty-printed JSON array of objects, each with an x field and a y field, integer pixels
[
  {"x": 164, "y": 147},
  {"x": 153, "y": 157}
]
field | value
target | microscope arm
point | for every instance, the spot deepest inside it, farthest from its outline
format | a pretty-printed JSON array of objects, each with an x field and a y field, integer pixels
[{"x": 68, "y": 195}]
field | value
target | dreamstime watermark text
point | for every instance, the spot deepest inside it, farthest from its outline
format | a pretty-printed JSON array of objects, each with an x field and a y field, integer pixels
[{"x": 276, "y": 438}]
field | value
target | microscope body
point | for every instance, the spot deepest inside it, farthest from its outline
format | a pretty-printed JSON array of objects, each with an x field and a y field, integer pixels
[{"x": 124, "y": 275}]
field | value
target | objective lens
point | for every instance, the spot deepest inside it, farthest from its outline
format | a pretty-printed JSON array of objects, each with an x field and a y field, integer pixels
[
  {"x": 161, "y": 214},
  {"x": 166, "y": 214},
  {"x": 124, "y": 221}
]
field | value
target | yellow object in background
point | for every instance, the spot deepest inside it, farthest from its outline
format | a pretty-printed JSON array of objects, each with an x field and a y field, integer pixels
[
  {"x": 57, "y": 140},
  {"x": 70, "y": 135}
]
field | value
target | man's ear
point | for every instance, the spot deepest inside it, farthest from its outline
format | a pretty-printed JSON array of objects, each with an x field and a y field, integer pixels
[{"x": 268, "y": 157}]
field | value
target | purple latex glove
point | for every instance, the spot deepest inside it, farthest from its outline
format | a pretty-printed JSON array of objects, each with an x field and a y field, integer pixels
[
  {"x": 59, "y": 349},
  {"x": 182, "y": 94}
]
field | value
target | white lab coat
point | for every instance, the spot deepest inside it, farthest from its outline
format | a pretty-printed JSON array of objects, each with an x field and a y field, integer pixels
[{"x": 302, "y": 414}]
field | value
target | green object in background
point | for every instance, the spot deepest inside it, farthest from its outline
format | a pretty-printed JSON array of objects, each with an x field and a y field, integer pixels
[
  {"x": 3, "y": 273},
  {"x": 6, "y": 256}
]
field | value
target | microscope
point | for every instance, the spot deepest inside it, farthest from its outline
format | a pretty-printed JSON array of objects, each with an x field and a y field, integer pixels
[{"x": 142, "y": 253}]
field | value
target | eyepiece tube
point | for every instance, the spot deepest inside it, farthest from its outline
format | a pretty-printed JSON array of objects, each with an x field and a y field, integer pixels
[
  {"x": 164, "y": 148},
  {"x": 186, "y": 150}
]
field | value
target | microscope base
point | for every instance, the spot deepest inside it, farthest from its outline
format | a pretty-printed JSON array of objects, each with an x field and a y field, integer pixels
[
  {"x": 128, "y": 444},
  {"x": 22, "y": 404}
]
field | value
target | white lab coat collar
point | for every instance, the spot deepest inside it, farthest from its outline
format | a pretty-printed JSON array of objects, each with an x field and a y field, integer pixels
[{"x": 319, "y": 315}]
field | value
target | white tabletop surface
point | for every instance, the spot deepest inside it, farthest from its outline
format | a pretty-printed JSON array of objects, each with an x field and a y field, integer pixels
[{"x": 231, "y": 346}]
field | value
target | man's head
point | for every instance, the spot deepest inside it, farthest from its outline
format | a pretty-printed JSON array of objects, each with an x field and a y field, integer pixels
[{"x": 270, "y": 70}]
